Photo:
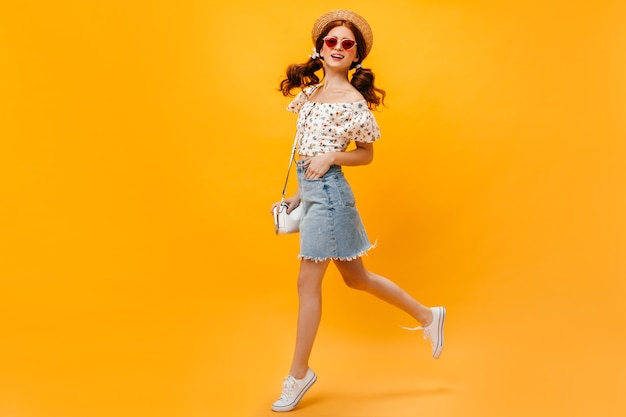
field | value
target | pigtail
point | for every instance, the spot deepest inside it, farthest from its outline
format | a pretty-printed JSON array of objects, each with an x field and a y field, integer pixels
[
  {"x": 301, "y": 75},
  {"x": 363, "y": 80}
]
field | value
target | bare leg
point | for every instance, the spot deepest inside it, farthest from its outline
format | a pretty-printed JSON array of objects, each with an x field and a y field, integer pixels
[
  {"x": 356, "y": 276},
  {"x": 309, "y": 313}
]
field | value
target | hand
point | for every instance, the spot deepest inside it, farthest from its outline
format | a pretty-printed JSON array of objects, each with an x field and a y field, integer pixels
[
  {"x": 317, "y": 166},
  {"x": 292, "y": 203}
]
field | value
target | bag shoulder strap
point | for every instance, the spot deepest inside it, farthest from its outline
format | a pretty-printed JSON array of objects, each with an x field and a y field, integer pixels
[{"x": 291, "y": 158}]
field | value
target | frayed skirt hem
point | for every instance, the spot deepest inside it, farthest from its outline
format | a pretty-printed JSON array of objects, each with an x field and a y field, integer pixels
[{"x": 333, "y": 258}]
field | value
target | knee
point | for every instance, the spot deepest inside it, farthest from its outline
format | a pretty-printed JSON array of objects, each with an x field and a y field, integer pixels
[
  {"x": 356, "y": 281},
  {"x": 308, "y": 287}
]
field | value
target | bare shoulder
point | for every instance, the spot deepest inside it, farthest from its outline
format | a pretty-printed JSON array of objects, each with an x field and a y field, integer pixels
[{"x": 353, "y": 95}]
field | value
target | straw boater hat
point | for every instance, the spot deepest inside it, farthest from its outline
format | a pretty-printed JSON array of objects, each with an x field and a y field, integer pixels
[{"x": 349, "y": 16}]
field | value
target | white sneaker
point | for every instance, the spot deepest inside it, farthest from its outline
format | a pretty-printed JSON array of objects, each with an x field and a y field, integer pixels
[
  {"x": 293, "y": 391},
  {"x": 434, "y": 331}
]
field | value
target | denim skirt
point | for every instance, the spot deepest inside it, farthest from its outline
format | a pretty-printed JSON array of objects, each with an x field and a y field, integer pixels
[{"x": 330, "y": 227}]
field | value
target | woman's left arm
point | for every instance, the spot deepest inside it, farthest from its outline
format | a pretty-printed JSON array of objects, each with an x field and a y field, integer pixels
[{"x": 318, "y": 165}]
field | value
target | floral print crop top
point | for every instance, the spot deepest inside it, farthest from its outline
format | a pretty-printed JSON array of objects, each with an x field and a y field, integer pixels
[{"x": 329, "y": 127}]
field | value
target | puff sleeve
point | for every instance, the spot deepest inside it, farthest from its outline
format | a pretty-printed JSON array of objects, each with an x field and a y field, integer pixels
[
  {"x": 296, "y": 103},
  {"x": 302, "y": 97},
  {"x": 365, "y": 128}
]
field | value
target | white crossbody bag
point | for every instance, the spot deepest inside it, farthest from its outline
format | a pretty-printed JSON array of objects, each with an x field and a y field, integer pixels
[{"x": 287, "y": 223}]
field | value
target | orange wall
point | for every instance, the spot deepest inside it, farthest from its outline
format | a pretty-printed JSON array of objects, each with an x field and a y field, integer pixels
[{"x": 142, "y": 143}]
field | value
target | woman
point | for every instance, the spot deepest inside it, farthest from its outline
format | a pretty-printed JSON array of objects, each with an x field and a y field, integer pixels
[{"x": 330, "y": 116}]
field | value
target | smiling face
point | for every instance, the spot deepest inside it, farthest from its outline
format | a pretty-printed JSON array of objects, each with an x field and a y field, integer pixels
[{"x": 337, "y": 56}]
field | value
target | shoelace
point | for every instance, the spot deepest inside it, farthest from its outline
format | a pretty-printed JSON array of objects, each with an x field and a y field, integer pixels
[
  {"x": 426, "y": 331},
  {"x": 288, "y": 388}
]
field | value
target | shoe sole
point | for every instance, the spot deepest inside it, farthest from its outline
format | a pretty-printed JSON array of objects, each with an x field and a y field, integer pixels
[
  {"x": 440, "y": 321},
  {"x": 297, "y": 400}
]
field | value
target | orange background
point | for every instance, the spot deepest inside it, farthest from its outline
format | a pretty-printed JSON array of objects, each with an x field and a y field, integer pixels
[{"x": 142, "y": 144}]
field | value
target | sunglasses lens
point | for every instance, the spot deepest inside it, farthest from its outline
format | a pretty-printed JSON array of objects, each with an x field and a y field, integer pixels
[
  {"x": 347, "y": 44},
  {"x": 331, "y": 42}
]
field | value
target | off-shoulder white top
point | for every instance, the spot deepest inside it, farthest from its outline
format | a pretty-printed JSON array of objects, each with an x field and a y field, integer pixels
[{"x": 329, "y": 127}]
